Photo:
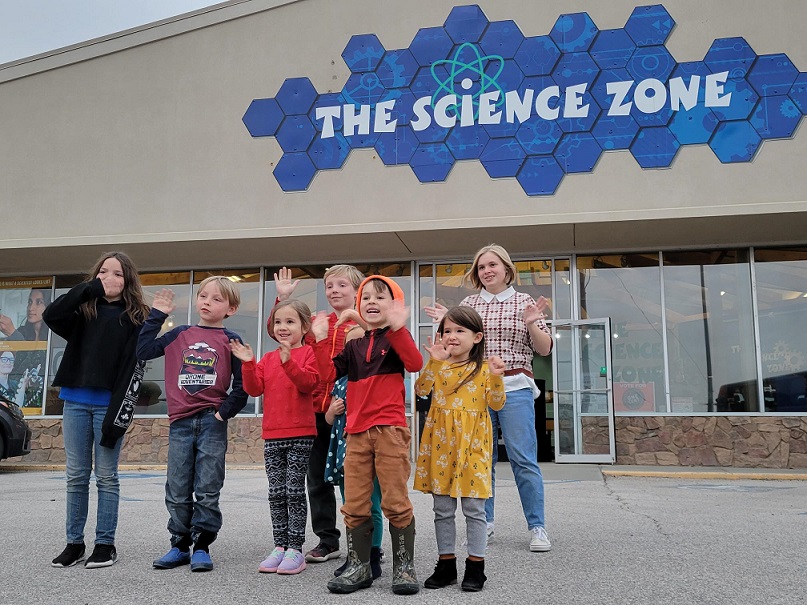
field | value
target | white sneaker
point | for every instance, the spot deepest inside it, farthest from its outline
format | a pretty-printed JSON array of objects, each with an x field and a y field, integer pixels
[{"x": 540, "y": 540}]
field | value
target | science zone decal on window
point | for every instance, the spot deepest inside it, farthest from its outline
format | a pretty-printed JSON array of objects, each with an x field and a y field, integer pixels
[{"x": 534, "y": 108}]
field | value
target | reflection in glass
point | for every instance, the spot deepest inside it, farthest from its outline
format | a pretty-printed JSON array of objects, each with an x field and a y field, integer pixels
[
  {"x": 781, "y": 288},
  {"x": 710, "y": 333},
  {"x": 627, "y": 289}
]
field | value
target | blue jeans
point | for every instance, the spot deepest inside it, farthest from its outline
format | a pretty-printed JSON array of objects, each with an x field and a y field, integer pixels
[
  {"x": 81, "y": 429},
  {"x": 197, "y": 446},
  {"x": 517, "y": 420}
]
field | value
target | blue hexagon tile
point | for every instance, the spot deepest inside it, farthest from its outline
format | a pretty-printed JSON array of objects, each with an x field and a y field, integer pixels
[{"x": 534, "y": 108}]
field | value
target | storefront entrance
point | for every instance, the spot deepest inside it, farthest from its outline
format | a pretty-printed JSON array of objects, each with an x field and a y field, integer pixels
[{"x": 583, "y": 395}]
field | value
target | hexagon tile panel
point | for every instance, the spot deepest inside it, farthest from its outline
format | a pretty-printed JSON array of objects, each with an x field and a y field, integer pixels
[{"x": 533, "y": 108}]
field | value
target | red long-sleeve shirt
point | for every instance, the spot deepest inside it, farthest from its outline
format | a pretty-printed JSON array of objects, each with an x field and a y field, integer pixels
[
  {"x": 374, "y": 365},
  {"x": 287, "y": 390}
]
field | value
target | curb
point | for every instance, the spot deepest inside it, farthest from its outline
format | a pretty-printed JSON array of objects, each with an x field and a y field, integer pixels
[
  {"x": 19, "y": 468},
  {"x": 757, "y": 476}
]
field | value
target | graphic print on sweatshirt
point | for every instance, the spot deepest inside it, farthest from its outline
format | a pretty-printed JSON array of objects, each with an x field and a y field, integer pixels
[{"x": 198, "y": 371}]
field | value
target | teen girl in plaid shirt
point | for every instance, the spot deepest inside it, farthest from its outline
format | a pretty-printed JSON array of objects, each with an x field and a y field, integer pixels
[{"x": 514, "y": 328}]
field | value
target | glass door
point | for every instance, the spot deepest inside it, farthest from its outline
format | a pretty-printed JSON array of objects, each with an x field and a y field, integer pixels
[{"x": 583, "y": 399}]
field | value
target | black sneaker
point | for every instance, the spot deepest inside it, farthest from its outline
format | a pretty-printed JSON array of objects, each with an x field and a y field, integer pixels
[
  {"x": 103, "y": 555},
  {"x": 322, "y": 552},
  {"x": 72, "y": 554}
]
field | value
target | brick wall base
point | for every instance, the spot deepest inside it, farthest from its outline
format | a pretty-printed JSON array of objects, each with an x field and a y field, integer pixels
[
  {"x": 733, "y": 441},
  {"x": 146, "y": 442}
]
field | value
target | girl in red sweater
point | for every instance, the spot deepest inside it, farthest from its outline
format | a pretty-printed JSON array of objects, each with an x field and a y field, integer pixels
[{"x": 286, "y": 378}]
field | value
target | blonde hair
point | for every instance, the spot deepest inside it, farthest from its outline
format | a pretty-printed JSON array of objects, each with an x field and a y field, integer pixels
[
  {"x": 227, "y": 288},
  {"x": 352, "y": 273},
  {"x": 472, "y": 275},
  {"x": 299, "y": 307}
]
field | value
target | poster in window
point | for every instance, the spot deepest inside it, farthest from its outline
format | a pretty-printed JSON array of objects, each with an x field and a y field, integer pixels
[{"x": 23, "y": 340}]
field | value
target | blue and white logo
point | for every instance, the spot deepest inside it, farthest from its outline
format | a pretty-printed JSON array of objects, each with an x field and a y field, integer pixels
[{"x": 534, "y": 108}]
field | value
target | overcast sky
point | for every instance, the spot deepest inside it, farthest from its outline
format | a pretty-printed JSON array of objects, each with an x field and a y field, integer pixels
[{"x": 30, "y": 27}]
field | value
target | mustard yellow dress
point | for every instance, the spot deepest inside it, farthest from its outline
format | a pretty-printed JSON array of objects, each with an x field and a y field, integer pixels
[{"x": 456, "y": 447}]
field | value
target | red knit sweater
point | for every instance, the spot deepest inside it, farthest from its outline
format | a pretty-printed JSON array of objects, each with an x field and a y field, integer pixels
[{"x": 287, "y": 388}]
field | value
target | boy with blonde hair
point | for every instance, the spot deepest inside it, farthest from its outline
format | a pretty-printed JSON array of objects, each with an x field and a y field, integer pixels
[{"x": 199, "y": 370}]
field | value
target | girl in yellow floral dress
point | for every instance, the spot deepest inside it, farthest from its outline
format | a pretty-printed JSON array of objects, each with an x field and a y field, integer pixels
[{"x": 456, "y": 447}]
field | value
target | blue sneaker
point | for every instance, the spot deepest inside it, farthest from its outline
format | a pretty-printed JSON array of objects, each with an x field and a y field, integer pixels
[
  {"x": 173, "y": 558},
  {"x": 201, "y": 561}
]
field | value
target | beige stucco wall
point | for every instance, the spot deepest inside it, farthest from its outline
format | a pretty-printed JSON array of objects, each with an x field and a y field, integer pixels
[{"x": 146, "y": 145}]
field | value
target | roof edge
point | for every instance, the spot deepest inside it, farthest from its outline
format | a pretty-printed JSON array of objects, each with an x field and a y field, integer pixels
[{"x": 136, "y": 36}]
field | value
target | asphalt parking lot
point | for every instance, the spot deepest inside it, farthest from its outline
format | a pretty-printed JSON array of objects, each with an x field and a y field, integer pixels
[{"x": 615, "y": 540}]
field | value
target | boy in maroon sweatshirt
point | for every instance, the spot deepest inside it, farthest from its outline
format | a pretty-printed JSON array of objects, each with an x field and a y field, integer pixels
[{"x": 379, "y": 438}]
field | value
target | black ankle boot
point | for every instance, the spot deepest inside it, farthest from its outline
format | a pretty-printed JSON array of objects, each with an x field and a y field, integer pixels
[
  {"x": 474, "y": 578},
  {"x": 375, "y": 561},
  {"x": 445, "y": 573}
]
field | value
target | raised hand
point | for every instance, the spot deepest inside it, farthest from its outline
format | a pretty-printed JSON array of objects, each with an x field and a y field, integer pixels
[
  {"x": 436, "y": 312},
  {"x": 319, "y": 325},
  {"x": 285, "y": 351},
  {"x": 398, "y": 315},
  {"x": 6, "y": 325},
  {"x": 164, "y": 301},
  {"x": 534, "y": 312},
  {"x": 351, "y": 315},
  {"x": 435, "y": 348},
  {"x": 496, "y": 365},
  {"x": 284, "y": 285},
  {"x": 241, "y": 350}
]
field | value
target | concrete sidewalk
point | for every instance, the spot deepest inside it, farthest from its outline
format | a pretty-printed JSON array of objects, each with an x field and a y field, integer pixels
[{"x": 616, "y": 540}]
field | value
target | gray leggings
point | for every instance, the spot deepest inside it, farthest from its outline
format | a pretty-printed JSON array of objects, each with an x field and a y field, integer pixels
[{"x": 445, "y": 508}]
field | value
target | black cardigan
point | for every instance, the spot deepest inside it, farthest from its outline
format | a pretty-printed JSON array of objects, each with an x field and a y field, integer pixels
[{"x": 99, "y": 354}]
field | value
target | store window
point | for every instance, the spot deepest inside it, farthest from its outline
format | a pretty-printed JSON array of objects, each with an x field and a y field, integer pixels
[
  {"x": 781, "y": 291},
  {"x": 549, "y": 278},
  {"x": 24, "y": 341},
  {"x": 710, "y": 331},
  {"x": 627, "y": 289}
]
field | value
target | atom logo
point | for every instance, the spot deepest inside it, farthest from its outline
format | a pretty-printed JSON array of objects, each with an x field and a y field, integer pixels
[{"x": 466, "y": 73}]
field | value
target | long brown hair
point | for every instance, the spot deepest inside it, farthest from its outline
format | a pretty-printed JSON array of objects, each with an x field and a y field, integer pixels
[
  {"x": 132, "y": 296},
  {"x": 469, "y": 319}
]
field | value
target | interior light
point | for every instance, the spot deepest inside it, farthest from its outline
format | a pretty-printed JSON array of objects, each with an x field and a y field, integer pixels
[
  {"x": 588, "y": 335},
  {"x": 616, "y": 335},
  {"x": 722, "y": 293}
]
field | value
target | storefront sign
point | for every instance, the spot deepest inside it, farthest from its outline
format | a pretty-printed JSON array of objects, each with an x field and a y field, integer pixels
[{"x": 532, "y": 107}]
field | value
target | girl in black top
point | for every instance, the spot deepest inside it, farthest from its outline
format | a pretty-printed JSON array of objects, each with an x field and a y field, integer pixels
[{"x": 100, "y": 378}]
